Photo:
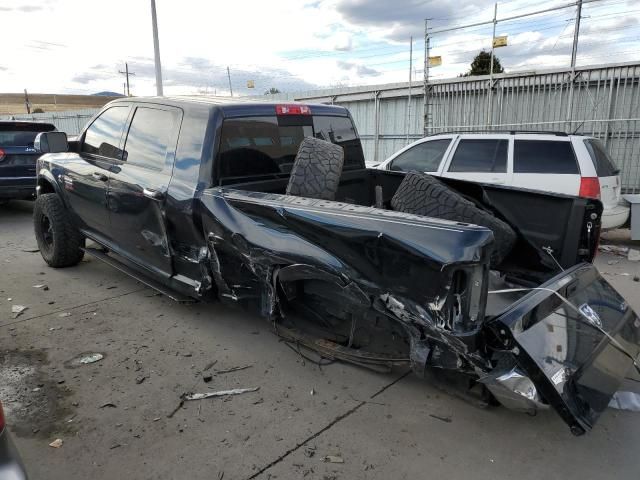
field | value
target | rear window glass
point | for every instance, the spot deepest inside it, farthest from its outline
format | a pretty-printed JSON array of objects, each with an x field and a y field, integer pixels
[
  {"x": 149, "y": 137},
  {"x": 17, "y": 139},
  {"x": 424, "y": 157},
  {"x": 480, "y": 155},
  {"x": 601, "y": 159},
  {"x": 544, "y": 156},
  {"x": 253, "y": 147}
]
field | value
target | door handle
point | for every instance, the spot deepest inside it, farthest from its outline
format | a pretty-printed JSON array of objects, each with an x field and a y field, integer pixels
[
  {"x": 100, "y": 176},
  {"x": 152, "y": 194}
]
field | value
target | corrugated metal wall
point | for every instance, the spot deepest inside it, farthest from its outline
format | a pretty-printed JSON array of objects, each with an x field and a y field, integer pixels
[
  {"x": 70, "y": 121},
  {"x": 602, "y": 101}
]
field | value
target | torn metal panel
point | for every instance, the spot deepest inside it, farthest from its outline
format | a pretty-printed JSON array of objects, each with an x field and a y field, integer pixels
[{"x": 515, "y": 390}]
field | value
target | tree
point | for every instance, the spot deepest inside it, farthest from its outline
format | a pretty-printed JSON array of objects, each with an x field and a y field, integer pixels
[
  {"x": 480, "y": 65},
  {"x": 272, "y": 91}
]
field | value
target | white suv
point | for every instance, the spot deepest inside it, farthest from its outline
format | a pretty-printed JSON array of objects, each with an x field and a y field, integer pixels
[{"x": 549, "y": 162}]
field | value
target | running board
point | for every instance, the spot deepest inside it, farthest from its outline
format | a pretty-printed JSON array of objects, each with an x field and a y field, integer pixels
[{"x": 140, "y": 277}]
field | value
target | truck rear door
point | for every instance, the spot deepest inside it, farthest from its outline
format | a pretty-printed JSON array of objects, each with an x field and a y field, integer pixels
[{"x": 138, "y": 186}]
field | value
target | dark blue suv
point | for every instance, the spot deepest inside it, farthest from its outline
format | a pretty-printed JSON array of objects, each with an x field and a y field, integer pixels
[{"x": 18, "y": 159}]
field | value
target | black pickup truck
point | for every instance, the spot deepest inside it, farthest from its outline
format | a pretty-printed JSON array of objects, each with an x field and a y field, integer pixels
[{"x": 270, "y": 206}]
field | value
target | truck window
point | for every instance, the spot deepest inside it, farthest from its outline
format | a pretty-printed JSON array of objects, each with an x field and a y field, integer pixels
[
  {"x": 103, "y": 136},
  {"x": 424, "y": 157},
  {"x": 480, "y": 155},
  {"x": 601, "y": 159},
  {"x": 267, "y": 146},
  {"x": 149, "y": 137},
  {"x": 544, "y": 156}
]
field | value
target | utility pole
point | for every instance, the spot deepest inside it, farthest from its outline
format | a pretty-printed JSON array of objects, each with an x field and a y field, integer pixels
[
  {"x": 572, "y": 75},
  {"x": 126, "y": 73},
  {"x": 229, "y": 77},
  {"x": 156, "y": 49},
  {"x": 427, "y": 41},
  {"x": 409, "y": 94},
  {"x": 493, "y": 37},
  {"x": 576, "y": 33},
  {"x": 26, "y": 101}
]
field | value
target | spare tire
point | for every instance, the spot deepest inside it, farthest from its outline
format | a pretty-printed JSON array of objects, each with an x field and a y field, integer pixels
[
  {"x": 316, "y": 170},
  {"x": 422, "y": 194}
]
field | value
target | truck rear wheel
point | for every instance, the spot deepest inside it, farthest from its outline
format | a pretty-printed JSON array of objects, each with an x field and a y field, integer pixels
[
  {"x": 316, "y": 170},
  {"x": 422, "y": 194},
  {"x": 59, "y": 241}
]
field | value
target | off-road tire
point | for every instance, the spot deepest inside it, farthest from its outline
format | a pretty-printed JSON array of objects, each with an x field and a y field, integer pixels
[
  {"x": 60, "y": 243},
  {"x": 316, "y": 170},
  {"x": 424, "y": 195}
]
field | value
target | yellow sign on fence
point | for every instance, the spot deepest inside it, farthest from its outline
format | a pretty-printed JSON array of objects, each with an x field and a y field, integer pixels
[
  {"x": 500, "y": 41},
  {"x": 251, "y": 84},
  {"x": 435, "y": 61}
]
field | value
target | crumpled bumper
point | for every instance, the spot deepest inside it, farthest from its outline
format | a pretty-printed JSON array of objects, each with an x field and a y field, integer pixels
[{"x": 569, "y": 344}]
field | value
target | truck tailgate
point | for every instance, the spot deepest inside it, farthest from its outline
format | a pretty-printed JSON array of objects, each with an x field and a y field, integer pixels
[{"x": 576, "y": 338}]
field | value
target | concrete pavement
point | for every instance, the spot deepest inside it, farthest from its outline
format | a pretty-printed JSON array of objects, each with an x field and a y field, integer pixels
[{"x": 113, "y": 415}]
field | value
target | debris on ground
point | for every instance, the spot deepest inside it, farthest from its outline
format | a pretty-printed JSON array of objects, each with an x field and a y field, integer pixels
[
  {"x": 207, "y": 377},
  {"x": 92, "y": 358},
  {"x": 633, "y": 255},
  {"x": 312, "y": 392},
  {"x": 309, "y": 451},
  {"x": 232, "y": 369},
  {"x": 333, "y": 459},
  {"x": 64, "y": 314},
  {"x": 52, "y": 329},
  {"x": 108, "y": 404},
  {"x": 636, "y": 278},
  {"x": 141, "y": 379},
  {"x": 614, "y": 249},
  {"x": 221, "y": 393},
  {"x": 209, "y": 365},
  {"x": 42, "y": 286},
  {"x": 17, "y": 310},
  {"x": 84, "y": 358},
  {"x": 30, "y": 250},
  {"x": 442, "y": 419},
  {"x": 57, "y": 443},
  {"x": 629, "y": 401},
  {"x": 613, "y": 262}
]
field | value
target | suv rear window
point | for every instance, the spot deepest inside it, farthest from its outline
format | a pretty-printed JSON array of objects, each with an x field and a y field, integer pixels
[
  {"x": 253, "y": 147},
  {"x": 544, "y": 156},
  {"x": 17, "y": 139},
  {"x": 480, "y": 155},
  {"x": 601, "y": 159},
  {"x": 21, "y": 134}
]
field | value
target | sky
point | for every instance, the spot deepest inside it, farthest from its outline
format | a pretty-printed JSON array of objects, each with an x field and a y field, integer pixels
[{"x": 79, "y": 46}]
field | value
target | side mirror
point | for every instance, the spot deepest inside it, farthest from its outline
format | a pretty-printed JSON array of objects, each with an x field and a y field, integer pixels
[{"x": 51, "y": 142}]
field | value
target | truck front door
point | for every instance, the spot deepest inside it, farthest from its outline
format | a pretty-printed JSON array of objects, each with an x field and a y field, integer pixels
[
  {"x": 138, "y": 186},
  {"x": 85, "y": 179}
]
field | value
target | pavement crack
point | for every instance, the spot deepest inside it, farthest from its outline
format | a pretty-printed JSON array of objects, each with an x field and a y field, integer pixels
[
  {"x": 333, "y": 422},
  {"x": 59, "y": 310}
]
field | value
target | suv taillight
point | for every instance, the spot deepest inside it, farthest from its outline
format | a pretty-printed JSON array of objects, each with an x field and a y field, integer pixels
[
  {"x": 293, "y": 110},
  {"x": 1, "y": 154},
  {"x": 589, "y": 187}
]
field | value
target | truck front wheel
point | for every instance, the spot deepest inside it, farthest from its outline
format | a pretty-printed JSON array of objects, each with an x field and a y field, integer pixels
[{"x": 59, "y": 241}]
